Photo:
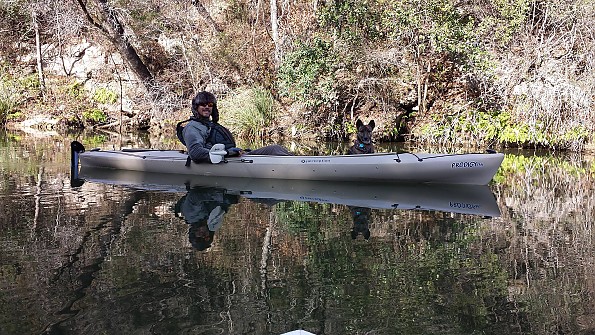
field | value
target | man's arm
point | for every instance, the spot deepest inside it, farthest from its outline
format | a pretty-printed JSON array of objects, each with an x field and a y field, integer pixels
[{"x": 195, "y": 142}]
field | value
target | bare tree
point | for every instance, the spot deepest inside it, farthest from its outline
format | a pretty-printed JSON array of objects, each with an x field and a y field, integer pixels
[
  {"x": 113, "y": 29},
  {"x": 275, "y": 31},
  {"x": 206, "y": 16},
  {"x": 38, "y": 52}
]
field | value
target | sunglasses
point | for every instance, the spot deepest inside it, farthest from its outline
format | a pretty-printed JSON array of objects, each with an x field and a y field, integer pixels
[{"x": 207, "y": 104}]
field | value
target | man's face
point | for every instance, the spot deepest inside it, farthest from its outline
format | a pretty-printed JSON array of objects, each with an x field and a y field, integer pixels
[{"x": 205, "y": 109}]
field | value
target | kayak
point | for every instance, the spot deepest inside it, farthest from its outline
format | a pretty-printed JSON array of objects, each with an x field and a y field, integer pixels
[
  {"x": 463, "y": 199},
  {"x": 298, "y": 332},
  {"x": 471, "y": 168}
]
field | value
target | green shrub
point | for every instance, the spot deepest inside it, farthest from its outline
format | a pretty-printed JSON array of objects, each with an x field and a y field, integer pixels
[
  {"x": 354, "y": 21},
  {"x": 306, "y": 74},
  {"x": 105, "y": 96},
  {"x": 474, "y": 127},
  {"x": 9, "y": 99},
  {"x": 94, "y": 115},
  {"x": 76, "y": 90},
  {"x": 482, "y": 127},
  {"x": 29, "y": 83},
  {"x": 248, "y": 112}
]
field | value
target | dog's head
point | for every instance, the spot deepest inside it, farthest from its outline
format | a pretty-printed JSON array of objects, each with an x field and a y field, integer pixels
[{"x": 364, "y": 131}]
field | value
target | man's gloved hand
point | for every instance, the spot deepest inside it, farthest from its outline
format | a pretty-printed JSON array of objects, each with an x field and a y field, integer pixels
[{"x": 234, "y": 152}]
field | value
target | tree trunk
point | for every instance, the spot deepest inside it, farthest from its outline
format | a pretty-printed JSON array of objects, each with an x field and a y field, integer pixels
[
  {"x": 275, "y": 31},
  {"x": 205, "y": 15},
  {"x": 119, "y": 40},
  {"x": 39, "y": 56},
  {"x": 114, "y": 31}
]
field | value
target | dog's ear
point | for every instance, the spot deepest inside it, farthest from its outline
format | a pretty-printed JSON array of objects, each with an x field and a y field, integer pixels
[
  {"x": 358, "y": 123},
  {"x": 372, "y": 124}
]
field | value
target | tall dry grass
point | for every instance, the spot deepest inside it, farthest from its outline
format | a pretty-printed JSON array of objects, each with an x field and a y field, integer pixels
[{"x": 248, "y": 112}]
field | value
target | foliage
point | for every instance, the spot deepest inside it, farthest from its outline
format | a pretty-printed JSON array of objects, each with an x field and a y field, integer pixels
[
  {"x": 29, "y": 83},
  {"x": 13, "y": 91},
  {"x": 551, "y": 116},
  {"x": 353, "y": 21},
  {"x": 15, "y": 26},
  {"x": 75, "y": 90},
  {"x": 536, "y": 135},
  {"x": 105, "y": 96},
  {"x": 82, "y": 106},
  {"x": 507, "y": 20},
  {"x": 339, "y": 68},
  {"x": 94, "y": 115},
  {"x": 476, "y": 127},
  {"x": 479, "y": 127},
  {"x": 397, "y": 61},
  {"x": 248, "y": 112},
  {"x": 548, "y": 87},
  {"x": 306, "y": 73},
  {"x": 9, "y": 97},
  {"x": 436, "y": 26}
]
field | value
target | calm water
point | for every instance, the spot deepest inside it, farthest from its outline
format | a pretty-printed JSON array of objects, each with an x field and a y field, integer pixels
[{"x": 120, "y": 254}]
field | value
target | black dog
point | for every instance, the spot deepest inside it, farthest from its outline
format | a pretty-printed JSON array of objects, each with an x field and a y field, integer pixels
[
  {"x": 363, "y": 143},
  {"x": 361, "y": 222}
]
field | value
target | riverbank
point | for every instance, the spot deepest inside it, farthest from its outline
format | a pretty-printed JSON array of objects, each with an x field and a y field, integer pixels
[{"x": 486, "y": 76}]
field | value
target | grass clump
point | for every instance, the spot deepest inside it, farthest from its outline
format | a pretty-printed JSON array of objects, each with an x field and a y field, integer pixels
[
  {"x": 13, "y": 92},
  {"x": 248, "y": 112},
  {"x": 8, "y": 101},
  {"x": 105, "y": 96}
]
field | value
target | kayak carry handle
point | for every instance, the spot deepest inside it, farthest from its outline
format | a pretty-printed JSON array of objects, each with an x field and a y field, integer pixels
[{"x": 217, "y": 153}]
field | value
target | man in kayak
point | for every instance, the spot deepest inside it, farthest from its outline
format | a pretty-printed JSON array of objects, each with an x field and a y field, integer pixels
[{"x": 203, "y": 131}]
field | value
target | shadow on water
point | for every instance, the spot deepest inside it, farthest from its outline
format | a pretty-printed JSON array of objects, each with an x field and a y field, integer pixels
[{"x": 361, "y": 222}]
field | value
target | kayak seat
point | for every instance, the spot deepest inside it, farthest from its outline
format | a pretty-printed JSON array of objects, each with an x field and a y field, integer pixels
[{"x": 217, "y": 134}]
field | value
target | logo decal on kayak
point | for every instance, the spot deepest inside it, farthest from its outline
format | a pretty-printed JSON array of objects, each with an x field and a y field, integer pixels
[
  {"x": 306, "y": 198},
  {"x": 466, "y": 165},
  {"x": 463, "y": 205},
  {"x": 322, "y": 160}
]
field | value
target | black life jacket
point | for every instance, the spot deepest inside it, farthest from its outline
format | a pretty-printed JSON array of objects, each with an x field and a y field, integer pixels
[{"x": 217, "y": 133}]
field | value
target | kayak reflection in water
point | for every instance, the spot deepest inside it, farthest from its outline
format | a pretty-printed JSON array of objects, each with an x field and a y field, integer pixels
[
  {"x": 203, "y": 210},
  {"x": 361, "y": 222}
]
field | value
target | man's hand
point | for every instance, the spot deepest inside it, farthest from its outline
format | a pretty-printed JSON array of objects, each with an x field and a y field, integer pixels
[{"x": 235, "y": 152}]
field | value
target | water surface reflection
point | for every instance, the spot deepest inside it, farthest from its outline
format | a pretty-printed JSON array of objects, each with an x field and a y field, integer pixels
[
  {"x": 115, "y": 255},
  {"x": 203, "y": 209}
]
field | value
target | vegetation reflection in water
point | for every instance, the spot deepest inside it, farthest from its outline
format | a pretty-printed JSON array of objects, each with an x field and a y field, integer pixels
[{"x": 113, "y": 259}]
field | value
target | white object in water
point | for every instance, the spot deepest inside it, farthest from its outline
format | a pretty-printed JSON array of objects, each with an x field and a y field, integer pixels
[{"x": 298, "y": 332}]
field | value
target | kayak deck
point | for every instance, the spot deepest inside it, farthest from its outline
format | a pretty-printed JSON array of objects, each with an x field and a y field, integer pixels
[{"x": 475, "y": 168}]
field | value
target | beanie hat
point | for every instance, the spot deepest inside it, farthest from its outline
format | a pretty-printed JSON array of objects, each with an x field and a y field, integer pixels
[{"x": 202, "y": 98}]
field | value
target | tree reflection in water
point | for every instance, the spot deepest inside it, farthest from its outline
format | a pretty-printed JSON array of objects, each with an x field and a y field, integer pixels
[{"x": 113, "y": 259}]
